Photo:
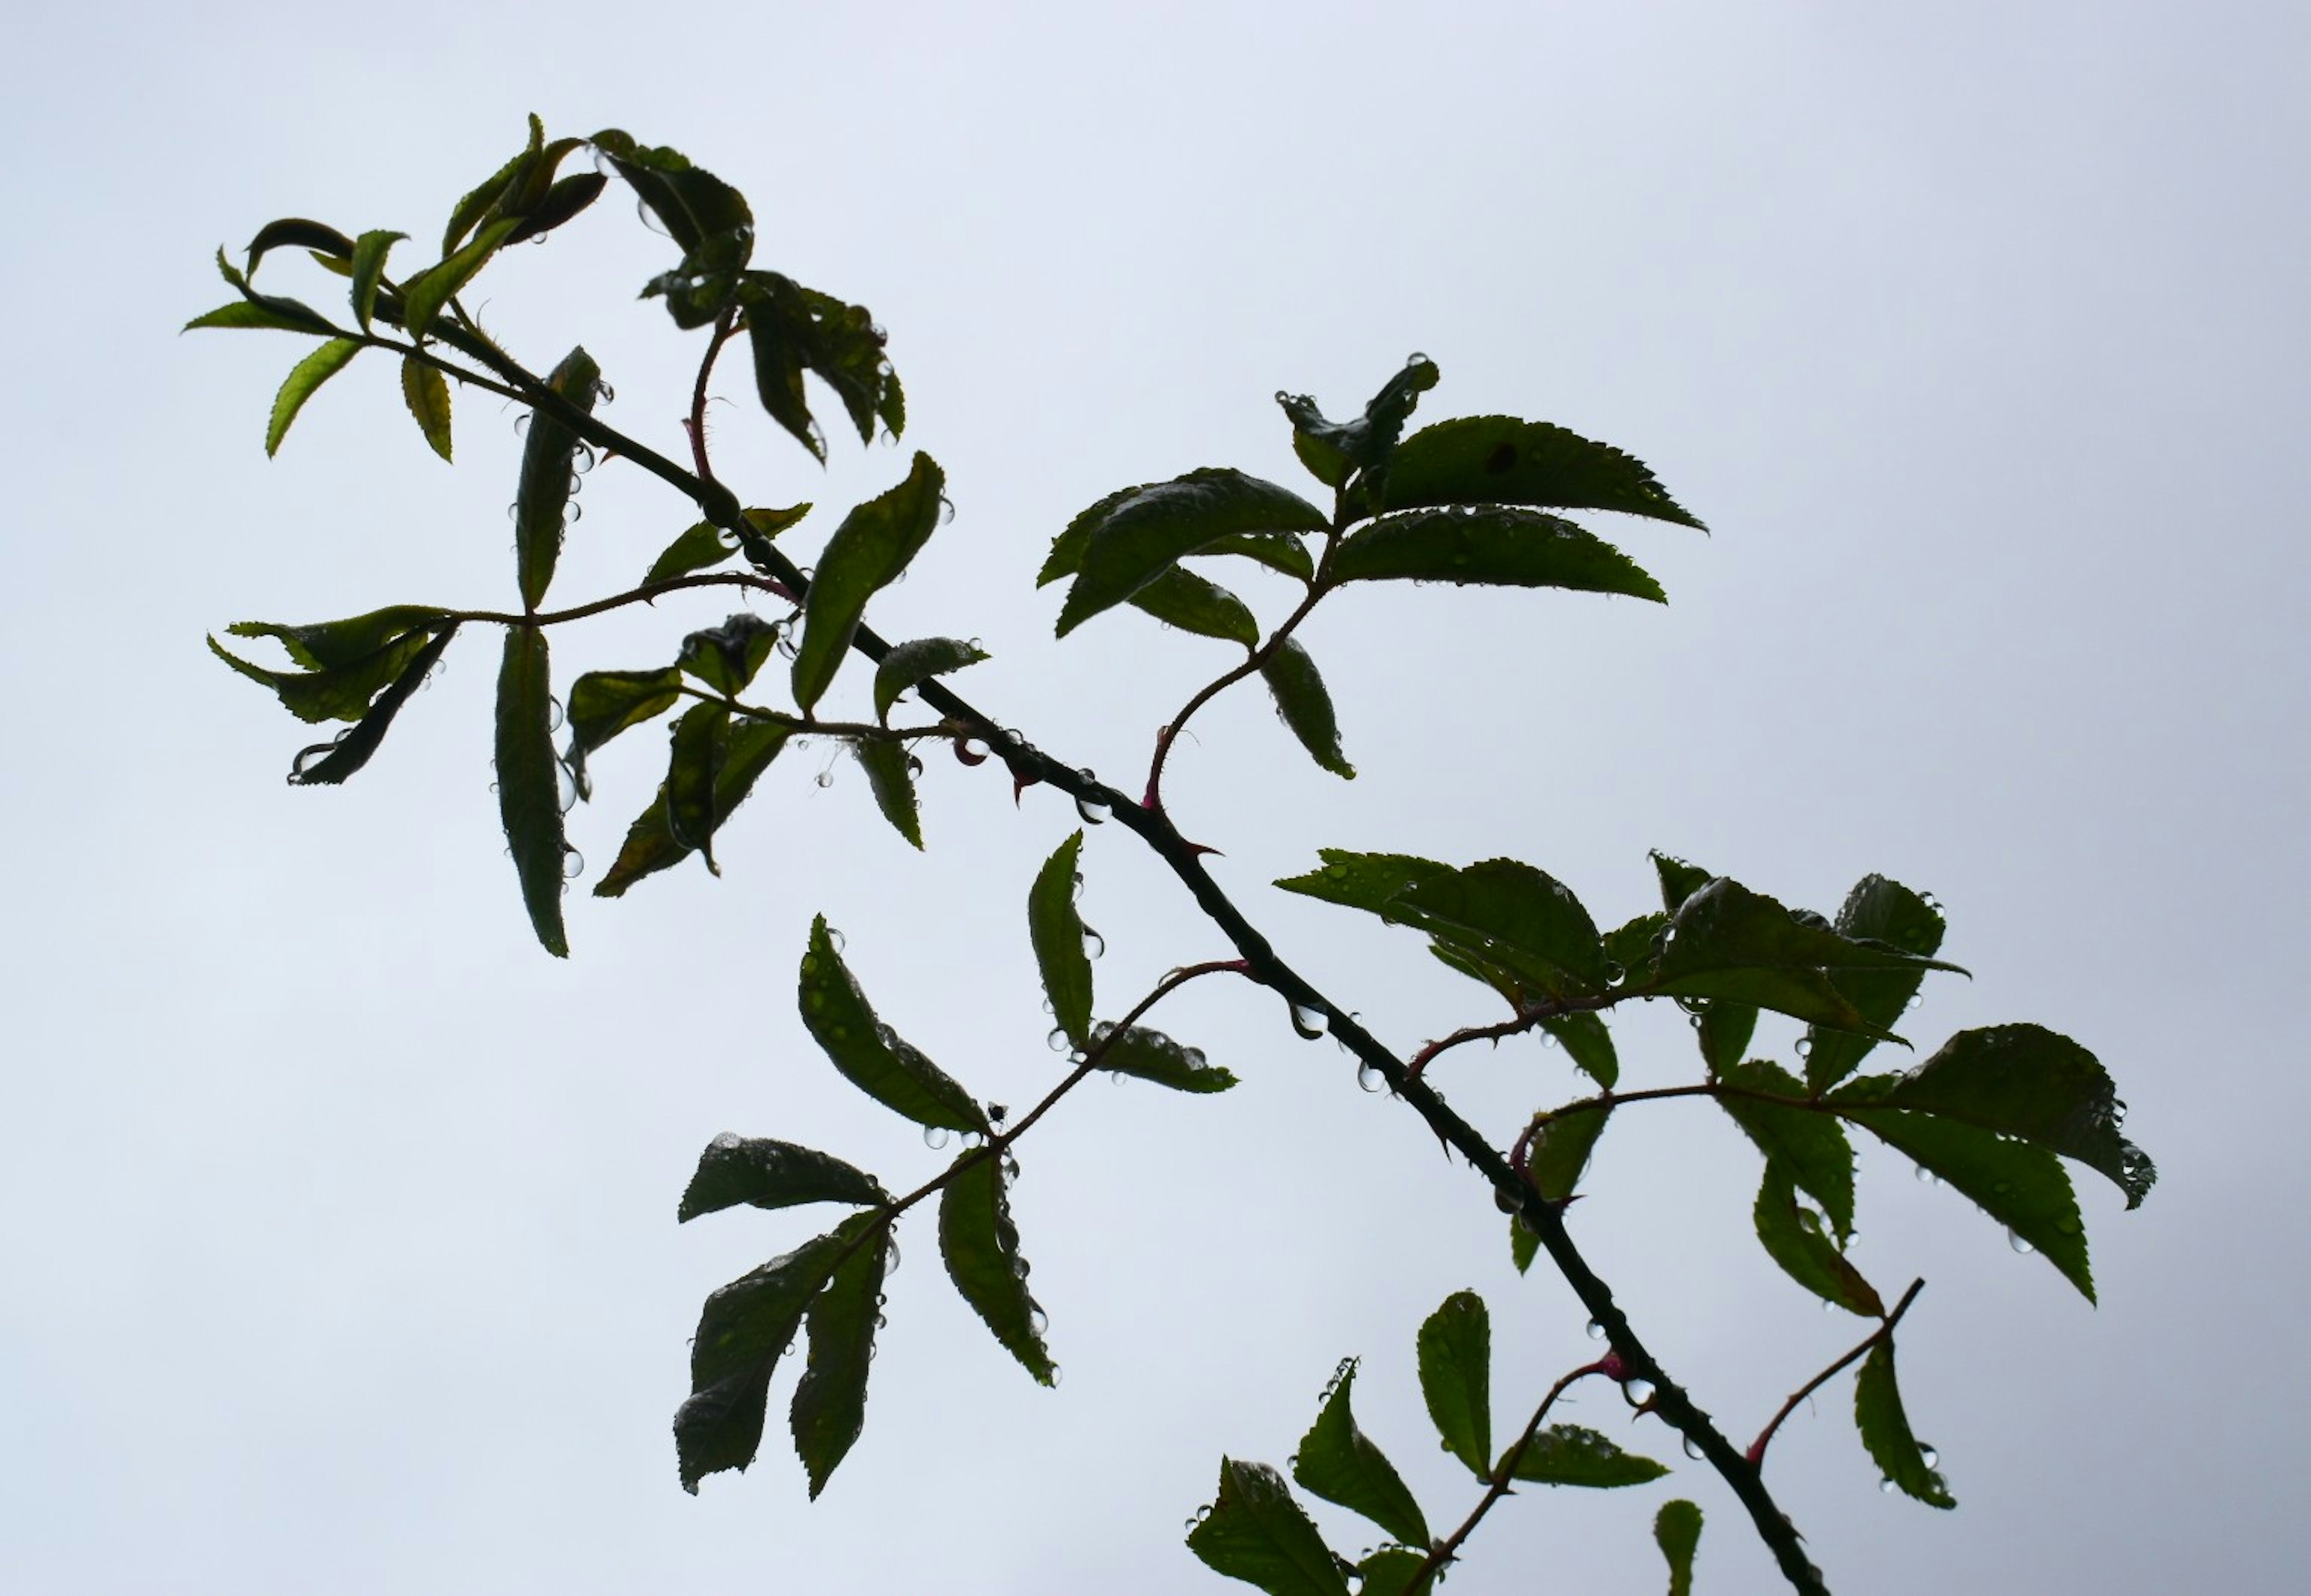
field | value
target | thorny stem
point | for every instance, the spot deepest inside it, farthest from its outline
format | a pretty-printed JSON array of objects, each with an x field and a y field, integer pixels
[
  {"x": 697, "y": 421},
  {"x": 1212, "y": 689},
  {"x": 1504, "y": 1473},
  {"x": 1883, "y": 1332}
]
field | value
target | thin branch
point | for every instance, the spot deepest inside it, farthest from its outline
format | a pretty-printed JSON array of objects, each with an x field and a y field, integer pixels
[
  {"x": 1504, "y": 1475},
  {"x": 1884, "y": 1331},
  {"x": 1211, "y": 690},
  {"x": 646, "y": 594}
]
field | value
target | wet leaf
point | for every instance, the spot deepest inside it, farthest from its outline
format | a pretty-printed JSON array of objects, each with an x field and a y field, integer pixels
[
  {"x": 333, "y": 645},
  {"x": 891, "y": 778},
  {"x": 793, "y": 329},
  {"x": 427, "y": 393},
  {"x": 1515, "y": 917},
  {"x": 1498, "y": 460},
  {"x": 295, "y": 233},
  {"x": 563, "y": 202},
  {"x": 1284, "y": 552},
  {"x": 1567, "y": 1454},
  {"x": 1885, "y": 1431},
  {"x": 549, "y": 450},
  {"x": 341, "y": 692},
  {"x": 370, "y": 251},
  {"x": 1129, "y": 539},
  {"x": 1257, "y": 1533},
  {"x": 1724, "y": 1028},
  {"x": 1588, "y": 1043},
  {"x": 830, "y": 1403},
  {"x": 1306, "y": 706},
  {"x": 763, "y": 1173},
  {"x": 696, "y": 746},
  {"x": 1559, "y": 1151},
  {"x": 1809, "y": 1144},
  {"x": 303, "y": 378},
  {"x": 480, "y": 200},
  {"x": 867, "y": 552},
  {"x": 605, "y": 703},
  {"x": 1390, "y": 1571},
  {"x": 868, "y": 1053},
  {"x": 701, "y": 545},
  {"x": 980, "y": 1248},
  {"x": 353, "y": 748},
  {"x": 1179, "y": 597},
  {"x": 1368, "y": 881},
  {"x": 1633, "y": 948},
  {"x": 1152, "y": 1056},
  {"x": 1335, "y": 451},
  {"x": 1678, "y": 879},
  {"x": 691, "y": 204},
  {"x": 1338, "y": 1461},
  {"x": 1055, "y": 929},
  {"x": 529, "y": 782},
  {"x": 423, "y": 296},
  {"x": 1525, "y": 1242},
  {"x": 1793, "y": 1238},
  {"x": 745, "y": 750},
  {"x": 1879, "y": 911},
  {"x": 1676, "y": 1530},
  {"x": 725, "y": 657},
  {"x": 1456, "y": 1359},
  {"x": 263, "y": 311},
  {"x": 1492, "y": 546},
  {"x": 908, "y": 665}
]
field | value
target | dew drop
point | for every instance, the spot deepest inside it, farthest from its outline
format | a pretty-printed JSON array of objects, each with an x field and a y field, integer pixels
[
  {"x": 914, "y": 765},
  {"x": 945, "y": 511},
  {"x": 2014, "y": 1239},
  {"x": 1926, "y": 1177},
  {"x": 1058, "y": 1040},
  {"x": 825, "y": 778},
  {"x": 1416, "y": 359},
  {"x": 573, "y": 863},
  {"x": 1805, "y": 1046},
  {"x": 1094, "y": 945},
  {"x": 1887, "y": 1488},
  {"x": 521, "y": 423},
  {"x": 1039, "y": 1322},
  {"x": 1929, "y": 1456},
  {"x": 1370, "y": 1078},
  {"x": 934, "y": 1137},
  {"x": 1637, "y": 1392},
  {"x": 1596, "y": 1329},
  {"x": 1614, "y": 973},
  {"x": 553, "y": 714},
  {"x": 1917, "y": 1001},
  {"x": 1309, "y": 1023},
  {"x": 1693, "y": 1450},
  {"x": 835, "y": 939}
]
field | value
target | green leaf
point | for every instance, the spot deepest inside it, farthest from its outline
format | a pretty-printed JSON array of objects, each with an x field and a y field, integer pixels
[
  {"x": 423, "y": 296},
  {"x": 763, "y": 1173},
  {"x": 1525, "y": 1242},
  {"x": 867, "y": 552},
  {"x": 605, "y": 703},
  {"x": 1337, "y": 1461},
  {"x": 1567, "y": 1454},
  {"x": 263, "y": 311},
  {"x": 1334, "y": 451},
  {"x": 689, "y": 203},
  {"x": 1498, "y": 460},
  {"x": 1284, "y": 552},
  {"x": 1180, "y": 597},
  {"x": 1588, "y": 1043},
  {"x": 1306, "y": 706},
  {"x": 2022, "y": 1186},
  {"x": 743, "y": 1330},
  {"x": 1152, "y": 1056},
  {"x": 1793, "y": 1237},
  {"x": 890, "y": 777},
  {"x": 743, "y": 752},
  {"x": 1632, "y": 948},
  {"x": 727, "y": 656},
  {"x": 1679, "y": 880},
  {"x": 1885, "y": 1431},
  {"x": 2032, "y": 1083},
  {"x": 1511, "y": 915},
  {"x": 830, "y": 1403},
  {"x": 1137, "y": 534},
  {"x": 370, "y": 251},
  {"x": 306, "y": 376},
  {"x": 529, "y": 782},
  {"x": 1808, "y": 1143},
  {"x": 1492, "y": 546},
  {"x": 868, "y": 1053},
  {"x": 908, "y": 665},
  {"x": 478, "y": 202},
  {"x": 334, "y": 645},
  {"x": 1676, "y": 1530},
  {"x": 1368, "y": 881},
  {"x": 1055, "y": 929},
  {"x": 701, "y": 545},
  {"x": 1456, "y": 1359},
  {"x": 295, "y": 233},
  {"x": 1559, "y": 1150},
  {"x": 1390, "y": 1571},
  {"x": 427, "y": 393},
  {"x": 352, "y": 748},
  {"x": 793, "y": 329},
  {"x": 1723, "y": 1029},
  {"x": 548, "y": 451},
  {"x": 342, "y": 692},
  {"x": 563, "y": 202},
  {"x": 695, "y": 748},
  {"x": 1879, "y": 911},
  {"x": 980, "y": 1248},
  {"x": 1257, "y": 1533}
]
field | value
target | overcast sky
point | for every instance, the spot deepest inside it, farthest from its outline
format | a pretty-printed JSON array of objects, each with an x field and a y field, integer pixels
[{"x": 338, "y": 1219}]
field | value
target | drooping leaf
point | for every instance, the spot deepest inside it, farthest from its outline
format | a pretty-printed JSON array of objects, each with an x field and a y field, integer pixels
[
  {"x": 1495, "y": 546},
  {"x": 1559, "y": 1151},
  {"x": 303, "y": 378},
  {"x": 548, "y": 451},
  {"x": 1055, "y": 929},
  {"x": 423, "y": 296},
  {"x": 1336, "y": 451},
  {"x": 1511, "y": 915},
  {"x": 792, "y": 329},
  {"x": 1525, "y": 1242},
  {"x": 353, "y": 748},
  {"x": 745, "y": 751},
  {"x": 1588, "y": 1043},
  {"x": 1131, "y": 538},
  {"x": 763, "y": 1173},
  {"x": 481, "y": 199},
  {"x": 1305, "y": 705},
  {"x": 335, "y": 645},
  {"x": 370, "y": 251},
  {"x": 1456, "y": 1360},
  {"x": 427, "y": 393},
  {"x": 696, "y": 746},
  {"x": 1338, "y": 1461},
  {"x": 727, "y": 656},
  {"x": 1257, "y": 1533},
  {"x": 1676, "y": 1530},
  {"x": 691, "y": 204},
  {"x": 1793, "y": 1237},
  {"x": 296, "y": 232},
  {"x": 1179, "y": 597},
  {"x": 830, "y": 1403},
  {"x": 908, "y": 665},
  {"x": 1885, "y": 1431},
  {"x": 867, "y": 552},
  {"x": 1809, "y": 1144},
  {"x": 1880, "y": 911},
  {"x": 605, "y": 703},
  {"x": 563, "y": 202},
  {"x": 890, "y": 777},
  {"x": 1567, "y": 1454},
  {"x": 980, "y": 1248},
  {"x": 529, "y": 782},
  {"x": 1152, "y": 1056},
  {"x": 869, "y": 1054},
  {"x": 1498, "y": 460}
]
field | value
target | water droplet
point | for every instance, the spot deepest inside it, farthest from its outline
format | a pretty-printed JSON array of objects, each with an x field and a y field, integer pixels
[
  {"x": 1370, "y": 1078},
  {"x": 1637, "y": 1392},
  {"x": 1309, "y": 1023},
  {"x": 1056, "y": 1373},
  {"x": 553, "y": 714},
  {"x": 573, "y": 863},
  {"x": 1693, "y": 1450},
  {"x": 934, "y": 1137},
  {"x": 891, "y": 1254},
  {"x": 1058, "y": 1040},
  {"x": 1917, "y": 1001},
  {"x": 521, "y": 423},
  {"x": 1929, "y": 1456},
  {"x": 1416, "y": 359},
  {"x": 914, "y": 765},
  {"x": 1019, "y": 1268},
  {"x": 1887, "y": 1488},
  {"x": 1039, "y": 1322},
  {"x": 1926, "y": 1177},
  {"x": 1094, "y": 945},
  {"x": 945, "y": 511},
  {"x": 825, "y": 778},
  {"x": 1596, "y": 1329},
  {"x": 1805, "y": 1046},
  {"x": 2014, "y": 1239},
  {"x": 835, "y": 939},
  {"x": 1614, "y": 973}
]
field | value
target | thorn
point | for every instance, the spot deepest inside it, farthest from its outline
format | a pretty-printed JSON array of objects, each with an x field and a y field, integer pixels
[
  {"x": 1019, "y": 784},
  {"x": 1198, "y": 848},
  {"x": 962, "y": 752}
]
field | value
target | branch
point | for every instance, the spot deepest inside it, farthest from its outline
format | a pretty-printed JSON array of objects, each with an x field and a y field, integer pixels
[
  {"x": 1757, "y": 1447},
  {"x": 1441, "y": 1553}
]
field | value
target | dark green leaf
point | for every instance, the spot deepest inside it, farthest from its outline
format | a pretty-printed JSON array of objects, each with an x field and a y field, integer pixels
[
  {"x": 1588, "y": 1043},
  {"x": 1679, "y": 880},
  {"x": 1257, "y": 1533},
  {"x": 560, "y": 204},
  {"x": 980, "y": 1248},
  {"x": 1333, "y": 451},
  {"x": 890, "y": 777},
  {"x": 352, "y": 749},
  {"x": 909, "y": 664},
  {"x": 1559, "y": 1151},
  {"x": 342, "y": 692},
  {"x": 333, "y": 645},
  {"x": 1305, "y": 705},
  {"x": 793, "y": 329},
  {"x": 1793, "y": 1237},
  {"x": 427, "y": 393},
  {"x": 1525, "y": 1242},
  {"x": 1337, "y": 1461},
  {"x": 1512, "y": 915},
  {"x": 1723, "y": 1029},
  {"x": 1885, "y": 1431},
  {"x": 1879, "y": 911},
  {"x": 1676, "y": 1530},
  {"x": 1808, "y": 1143},
  {"x": 1456, "y": 1363},
  {"x": 1140, "y": 533},
  {"x": 306, "y": 376},
  {"x": 1631, "y": 949},
  {"x": 867, "y": 552},
  {"x": 689, "y": 203},
  {"x": 1390, "y": 1571},
  {"x": 1284, "y": 552},
  {"x": 529, "y": 782},
  {"x": 830, "y": 1404},
  {"x": 1368, "y": 881},
  {"x": 423, "y": 296},
  {"x": 298, "y": 233},
  {"x": 727, "y": 656},
  {"x": 1497, "y": 460},
  {"x": 478, "y": 202},
  {"x": 1493, "y": 546},
  {"x": 763, "y": 1173},
  {"x": 1180, "y": 597},
  {"x": 870, "y": 1055},
  {"x": 548, "y": 451},
  {"x": 1152, "y": 1056},
  {"x": 701, "y": 545},
  {"x": 370, "y": 251},
  {"x": 651, "y": 845},
  {"x": 263, "y": 311},
  {"x": 697, "y": 746},
  {"x": 1567, "y": 1454},
  {"x": 605, "y": 703},
  {"x": 1055, "y": 929}
]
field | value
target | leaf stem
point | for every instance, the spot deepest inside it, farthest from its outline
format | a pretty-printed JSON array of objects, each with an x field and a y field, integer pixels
[
  {"x": 1251, "y": 662},
  {"x": 1757, "y": 1454},
  {"x": 1504, "y": 1472}
]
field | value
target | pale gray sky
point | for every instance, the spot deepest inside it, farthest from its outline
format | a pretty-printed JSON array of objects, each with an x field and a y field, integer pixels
[{"x": 339, "y": 1219}]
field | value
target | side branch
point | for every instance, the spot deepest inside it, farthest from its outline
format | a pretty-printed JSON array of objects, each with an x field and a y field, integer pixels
[{"x": 1757, "y": 1447}]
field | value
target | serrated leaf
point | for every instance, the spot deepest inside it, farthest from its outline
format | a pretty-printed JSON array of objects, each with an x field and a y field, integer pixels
[
  {"x": 353, "y": 748},
  {"x": 725, "y": 657},
  {"x": 1808, "y": 1143},
  {"x": 370, "y": 251},
  {"x": 423, "y": 296},
  {"x": 1515, "y": 917},
  {"x": 1338, "y": 1461},
  {"x": 691, "y": 204},
  {"x": 980, "y": 1248},
  {"x": 333, "y": 645},
  {"x": 1305, "y": 705},
  {"x": 1559, "y": 1150},
  {"x": 890, "y": 777},
  {"x": 1723, "y": 1029},
  {"x": 1632, "y": 948},
  {"x": 1366, "y": 881},
  {"x": 478, "y": 201},
  {"x": 1498, "y": 460},
  {"x": 1152, "y": 1056},
  {"x": 1055, "y": 929},
  {"x": 868, "y": 1053},
  {"x": 1179, "y": 597},
  {"x": 909, "y": 665},
  {"x": 793, "y": 329},
  {"x": 1885, "y": 1431},
  {"x": 1588, "y": 1043},
  {"x": 1334, "y": 451},
  {"x": 263, "y": 311},
  {"x": 1284, "y": 552},
  {"x": 1676, "y": 1530},
  {"x": 297, "y": 232},
  {"x": 1390, "y": 1571},
  {"x": 303, "y": 378},
  {"x": 1793, "y": 1238},
  {"x": 1494, "y": 545},
  {"x": 1880, "y": 911},
  {"x": 696, "y": 746},
  {"x": 763, "y": 1173},
  {"x": 1456, "y": 1360},
  {"x": 745, "y": 751},
  {"x": 830, "y": 1403},
  {"x": 341, "y": 692},
  {"x": 867, "y": 552},
  {"x": 1257, "y": 1533},
  {"x": 701, "y": 545},
  {"x": 1678, "y": 879},
  {"x": 529, "y": 782},
  {"x": 563, "y": 202},
  {"x": 1140, "y": 532},
  {"x": 1525, "y": 1242},
  {"x": 426, "y": 392},
  {"x": 1567, "y": 1454},
  {"x": 605, "y": 703},
  {"x": 548, "y": 451}
]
